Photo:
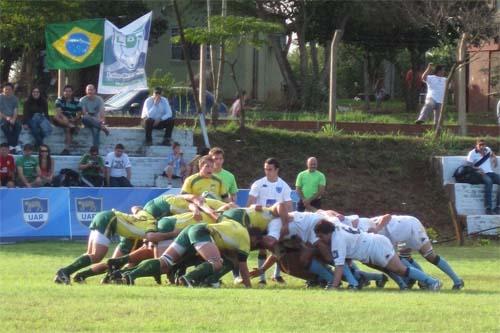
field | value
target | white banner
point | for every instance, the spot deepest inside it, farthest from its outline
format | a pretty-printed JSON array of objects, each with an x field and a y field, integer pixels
[{"x": 125, "y": 51}]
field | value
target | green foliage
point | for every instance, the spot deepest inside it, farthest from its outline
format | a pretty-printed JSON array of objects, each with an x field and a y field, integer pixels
[
  {"x": 166, "y": 81},
  {"x": 444, "y": 54},
  {"x": 432, "y": 233}
]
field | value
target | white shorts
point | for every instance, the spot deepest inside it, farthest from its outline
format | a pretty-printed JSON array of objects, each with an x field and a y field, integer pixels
[
  {"x": 98, "y": 238},
  {"x": 381, "y": 251},
  {"x": 274, "y": 228},
  {"x": 409, "y": 233}
]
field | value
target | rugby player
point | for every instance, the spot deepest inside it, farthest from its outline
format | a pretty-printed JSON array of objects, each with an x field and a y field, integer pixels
[
  {"x": 205, "y": 181},
  {"x": 347, "y": 242}
]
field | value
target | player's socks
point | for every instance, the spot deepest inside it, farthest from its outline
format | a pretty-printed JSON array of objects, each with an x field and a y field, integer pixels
[
  {"x": 227, "y": 266},
  {"x": 351, "y": 280},
  {"x": 415, "y": 264},
  {"x": 260, "y": 261},
  {"x": 321, "y": 271},
  {"x": 200, "y": 272},
  {"x": 236, "y": 273},
  {"x": 418, "y": 275},
  {"x": 80, "y": 262},
  {"x": 446, "y": 268},
  {"x": 119, "y": 261},
  {"x": 88, "y": 273},
  {"x": 369, "y": 276},
  {"x": 149, "y": 267},
  {"x": 140, "y": 255},
  {"x": 277, "y": 270},
  {"x": 398, "y": 279}
]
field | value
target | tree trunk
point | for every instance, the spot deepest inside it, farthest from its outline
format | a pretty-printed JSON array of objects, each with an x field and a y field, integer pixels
[
  {"x": 240, "y": 94},
  {"x": 326, "y": 64},
  {"x": 304, "y": 80},
  {"x": 366, "y": 81},
  {"x": 462, "y": 86},
  {"x": 337, "y": 36}
]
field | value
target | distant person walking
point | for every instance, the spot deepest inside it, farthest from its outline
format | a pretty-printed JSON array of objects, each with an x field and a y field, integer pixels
[
  {"x": 436, "y": 86},
  {"x": 310, "y": 186}
]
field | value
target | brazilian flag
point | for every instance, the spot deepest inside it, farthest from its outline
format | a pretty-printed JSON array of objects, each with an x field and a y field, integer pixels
[{"x": 76, "y": 44}]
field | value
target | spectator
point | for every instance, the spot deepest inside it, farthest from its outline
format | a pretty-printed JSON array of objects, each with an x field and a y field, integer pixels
[
  {"x": 92, "y": 168},
  {"x": 46, "y": 164},
  {"x": 93, "y": 114},
  {"x": 68, "y": 116},
  {"x": 7, "y": 167},
  {"x": 11, "y": 127},
  {"x": 266, "y": 192},
  {"x": 118, "y": 170},
  {"x": 192, "y": 166},
  {"x": 436, "y": 86},
  {"x": 310, "y": 186},
  {"x": 28, "y": 170},
  {"x": 227, "y": 177},
  {"x": 237, "y": 106},
  {"x": 483, "y": 159},
  {"x": 204, "y": 181},
  {"x": 157, "y": 114},
  {"x": 176, "y": 166},
  {"x": 36, "y": 116}
]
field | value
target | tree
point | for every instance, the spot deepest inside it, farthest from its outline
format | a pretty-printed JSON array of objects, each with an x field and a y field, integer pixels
[{"x": 232, "y": 32}]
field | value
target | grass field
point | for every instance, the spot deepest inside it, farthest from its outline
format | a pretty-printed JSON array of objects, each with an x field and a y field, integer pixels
[{"x": 30, "y": 301}]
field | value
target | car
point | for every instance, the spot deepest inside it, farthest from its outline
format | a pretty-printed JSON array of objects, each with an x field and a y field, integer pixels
[{"x": 127, "y": 102}]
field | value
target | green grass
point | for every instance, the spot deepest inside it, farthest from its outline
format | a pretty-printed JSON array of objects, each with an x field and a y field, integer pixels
[{"x": 32, "y": 302}]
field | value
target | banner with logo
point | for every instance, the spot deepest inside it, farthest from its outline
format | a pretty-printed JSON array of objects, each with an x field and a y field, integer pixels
[
  {"x": 74, "y": 45},
  {"x": 125, "y": 52},
  {"x": 34, "y": 213}
]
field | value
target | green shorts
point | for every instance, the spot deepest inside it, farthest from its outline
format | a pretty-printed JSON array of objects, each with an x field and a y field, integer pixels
[
  {"x": 157, "y": 207},
  {"x": 167, "y": 224},
  {"x": 103, "y": 222},
  {"x": 197, "y": 233},
  {"x": 236, "y": 214}
]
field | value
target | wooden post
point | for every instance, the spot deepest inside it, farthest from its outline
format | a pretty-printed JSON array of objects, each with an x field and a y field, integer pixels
[
  {"x": 462, "y": 87},
  {"x": 332, "y": 102},
  {"x": 456, "y": 224},
  {"x": 61, "y": 82}
]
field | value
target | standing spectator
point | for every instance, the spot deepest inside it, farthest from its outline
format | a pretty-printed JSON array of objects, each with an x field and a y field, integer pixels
[
  {"x": 227, "y": 177},
  {"x": 205, "y": 181},
  {"x": 157, "y": 114},
  {"x": 266, "y": 192},
  {"x": 118, "y": 170},
  {"x": 7, "y": 167},
  {"x": 68, "y": 116},
  {"x": 28, "y": 170},
  {"x": 11, "y": 127},
  {"x": 176, "y": 166},
  {"x": 46, "y": 164},
  {"x": 36, "y": 116},
  {"x": 310, "y": 186},
  {"x": 93, "y": 114},
  {"x": 237, "y": 106},
  {"x": 92, "y": 168},
  {"x": 483, "y": 159},
  {"x": 436, "y": 86}
]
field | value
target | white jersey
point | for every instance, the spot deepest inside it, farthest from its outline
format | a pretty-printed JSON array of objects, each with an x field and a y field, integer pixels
[
  {"x": 404, "y": 229},
  {"x": 361, "y": 223},
  {"x": 268, "y": 193},
  {"x": 349, "y": 243},
  {"x": 303, "y": 225}
]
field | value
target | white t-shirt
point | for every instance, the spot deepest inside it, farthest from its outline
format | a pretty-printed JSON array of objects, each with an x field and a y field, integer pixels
[
  {"x": 350, "y": 243},
  {"x": 117, "y": 165},
  {"x": 268, "y": 193},
  {"x": 435, "y": 87},
  {"x": 475, "y": 156}
]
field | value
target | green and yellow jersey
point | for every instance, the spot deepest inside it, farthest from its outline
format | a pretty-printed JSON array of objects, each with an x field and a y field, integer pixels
[
  {"x": 231, "y": 235},
  {"x": 196, "y": 184},
  {"x": 166, "y": 205},
  {"x": 249, "y": 217},
  {"x": 134, "y": 226},
  {"x": 181, "y": 221}
]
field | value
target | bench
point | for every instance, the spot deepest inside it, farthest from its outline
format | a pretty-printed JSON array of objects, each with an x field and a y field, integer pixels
[
  {"x": 468, "y": 199},
  {"x": 131, "y": 138}
]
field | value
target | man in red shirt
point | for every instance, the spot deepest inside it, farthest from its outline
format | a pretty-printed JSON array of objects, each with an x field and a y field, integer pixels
[{"x": 7, "y": 166}]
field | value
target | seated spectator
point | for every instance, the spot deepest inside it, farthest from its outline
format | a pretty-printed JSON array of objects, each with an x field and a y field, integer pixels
[
  {"x": 92, "y": 167},
  {"x": 28, "y": 170},
  {"x": 157, "y": 114},
  {"x": 68, "y": 116},
  {"x": 46, "y": 164},
  {"x": 93, "y": 114},
  {"x": 11, "y": 127},
  {"x": 118, "y": 170},
  {"x": 7, "y": 167},
  {"x": 483, "y": 159},
  {"x": 36, "y": 117},
  {"x": 192, "y": 166},
  {"x": 176, "y": 166}
]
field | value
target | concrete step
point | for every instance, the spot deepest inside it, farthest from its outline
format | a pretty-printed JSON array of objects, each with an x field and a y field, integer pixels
[
  {"x": 489, "y": 223},
  {"x": 146, "y": 171},
  {"x": 450, "y": 163},
  {"x": 131, "y": 138},
  {"x": 469, "y": 199}
]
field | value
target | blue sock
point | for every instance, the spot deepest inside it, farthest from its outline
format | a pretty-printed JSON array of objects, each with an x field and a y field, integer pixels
[
  {"x": 371, "y": 276},
  {"x": 351, "y": 280},
  {"x": 321, "y": 271},
  {"x": 260, "y": 261},
  {"x": 398, "y": 279},
  {"x": 418, "y": 275},
  {"x": 445, "y": 267},
  {"x": 415, "y": 264},
  {"x": 407, "y": 279},
  {"x": 277, "y": 270}
]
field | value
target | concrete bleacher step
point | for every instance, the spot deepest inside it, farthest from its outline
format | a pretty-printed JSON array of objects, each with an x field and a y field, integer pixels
[
  {"x": 448, "y": 165},
  {"x": 131, "y": 138},
  {"x": 146, "y": 171},
  {"x": 469, "y": 199},
  {"x": 483, "y": 224}
]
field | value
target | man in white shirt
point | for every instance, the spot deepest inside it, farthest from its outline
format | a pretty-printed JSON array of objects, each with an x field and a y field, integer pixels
[
  {"x": 436, "y": 86},
  {"x": 266, "y": 192},
  {"x": 157, "y": 114},
  {"x": 118, "y": 169},
  {"x": 483, "y": 159}
]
